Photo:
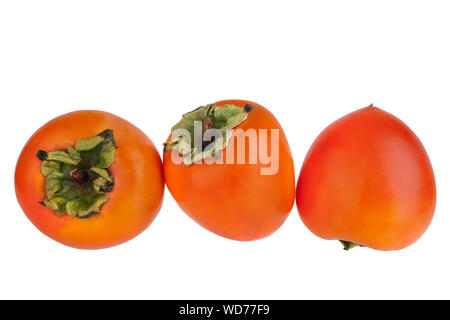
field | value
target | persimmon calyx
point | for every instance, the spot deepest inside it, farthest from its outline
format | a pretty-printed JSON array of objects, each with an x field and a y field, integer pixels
[
  {"x": 193, "y": 125},
  {"x": 349, "y": 245},
  {"x": 76, "y": 181}
]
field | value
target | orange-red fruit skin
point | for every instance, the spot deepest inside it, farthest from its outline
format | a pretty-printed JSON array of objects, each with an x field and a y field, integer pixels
[
  {"x": 367, "y": 179},
  {"x": 134, "y": 201},
  {"x": 234, "y": 200}
]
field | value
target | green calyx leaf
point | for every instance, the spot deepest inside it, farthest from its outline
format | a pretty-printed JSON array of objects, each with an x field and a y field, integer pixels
[
  {"x": 349, "y": 245},
  {"x": 76, "y": 181},
  {"x": 223, "y": 118},
  {"x": 62, "y": 157}
]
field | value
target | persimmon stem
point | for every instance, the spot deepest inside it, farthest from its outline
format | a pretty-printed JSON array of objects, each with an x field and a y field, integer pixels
[{"x": 79, "y": 175}]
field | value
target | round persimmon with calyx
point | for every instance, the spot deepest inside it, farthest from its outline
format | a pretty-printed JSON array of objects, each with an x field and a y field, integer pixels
[
  {"x": 228, "y": 182},
  {"x": 89, "y": 180}
]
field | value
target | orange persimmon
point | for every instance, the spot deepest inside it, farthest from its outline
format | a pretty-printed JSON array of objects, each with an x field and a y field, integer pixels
[
  {"x": 241, "y": 196},
  {"x": 367, "y": 180},
  {"x": 89, "y": 180}
]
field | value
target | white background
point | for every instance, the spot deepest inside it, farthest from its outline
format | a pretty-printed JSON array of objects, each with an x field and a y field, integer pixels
[{"x": 309, "y": 62}]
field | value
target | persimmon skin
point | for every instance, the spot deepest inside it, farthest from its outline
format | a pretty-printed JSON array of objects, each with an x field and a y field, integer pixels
[
  {"x": 367, "y": 179},
  {"x": 134, "y": 201},
  {"x": 234, "y": 200}
]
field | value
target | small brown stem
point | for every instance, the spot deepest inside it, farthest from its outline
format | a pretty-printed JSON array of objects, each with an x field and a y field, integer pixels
[
  {"x": 206, "y": 124},
  {"x": 79, "y": 175}
]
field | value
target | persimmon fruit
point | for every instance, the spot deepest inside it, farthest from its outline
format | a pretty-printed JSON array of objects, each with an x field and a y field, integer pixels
[
  {"x": 235, "y": 197},
  {"x": 367, "y": 180},
  {"x": 89, "y": 180}
]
